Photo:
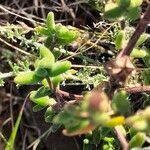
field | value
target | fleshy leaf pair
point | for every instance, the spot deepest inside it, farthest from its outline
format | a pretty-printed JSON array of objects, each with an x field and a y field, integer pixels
[
  {"x": 41, "y": 97},
  {"x": 57, "y": 33},
  {"x": 45, "y": 67},
  {"x": 47, "y": 62}
]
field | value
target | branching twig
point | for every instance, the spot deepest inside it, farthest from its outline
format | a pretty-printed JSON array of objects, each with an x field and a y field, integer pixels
[
  {"x": 16, "y": 48},
  {"x": 121, "y": 68}
]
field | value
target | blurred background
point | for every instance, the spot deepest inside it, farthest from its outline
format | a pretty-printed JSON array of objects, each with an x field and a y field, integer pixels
[{"x": 17, "y": 21}]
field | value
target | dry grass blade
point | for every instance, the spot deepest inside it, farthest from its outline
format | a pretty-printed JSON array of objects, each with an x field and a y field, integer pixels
[{"x": 16, "y": 48}]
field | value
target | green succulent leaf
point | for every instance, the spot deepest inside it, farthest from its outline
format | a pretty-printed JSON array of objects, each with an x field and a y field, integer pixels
[
  {"x": 45, "y": 63},
  {"x": 132, "y": 13},
  {"x": 146, "y": 59},
  {"x": 49, "y": 114},
  {"x": 146, "y": 76},
  {"x": 27, "y": 77},
  {"x": 69, "y": 113},
  {"x": 100, "y": 118},
  {"x": 42, "y": 91},
  {"x": 61, "y": 30},
  {"x": 120, "y": 103},
  {"x": 138, "y": 53},
  {"x": 45, "y": 52},
  {"x": 142, "y": 39},
  {"x": 77, "y": 125},
  {"x": 64, "y": 35},
  {"x": 42, "y": 30},
  {"x": 59, "y": 67},
  {"x": 137, "y": 140},
  {"x": 49, "y": 40},
  {"x": 120, "y": 39},
  {"x": 63, "y": 118},
  {"x": 42, "y": 101}
]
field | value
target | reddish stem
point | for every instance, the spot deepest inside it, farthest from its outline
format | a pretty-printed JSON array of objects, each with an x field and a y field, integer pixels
[{"x": 69, "y": 95}]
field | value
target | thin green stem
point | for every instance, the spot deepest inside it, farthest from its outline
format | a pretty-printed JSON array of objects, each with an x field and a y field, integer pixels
[{"x": 50, "y": 83}]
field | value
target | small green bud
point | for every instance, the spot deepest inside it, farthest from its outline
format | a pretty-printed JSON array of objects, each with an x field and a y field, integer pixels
[
  {"x": 61, "y": 30},
  {"x": 50, "y": 21},
  {"x": 45, "y": 83}
]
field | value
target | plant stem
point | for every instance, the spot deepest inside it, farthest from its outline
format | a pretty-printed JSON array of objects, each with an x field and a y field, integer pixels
[
  {"x": 3, "y": 138},
  {"x": 138, "y": 89},
  {"x": 121, "y": 138},
  {"x": 69, "y": 95},
  {"x": 49, "y": 83},
  {"x": 115, "y": 79},
  {"x": 10, "y": 142}
]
